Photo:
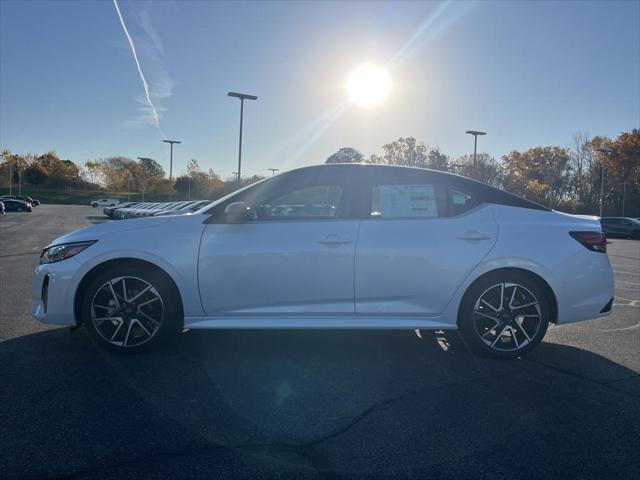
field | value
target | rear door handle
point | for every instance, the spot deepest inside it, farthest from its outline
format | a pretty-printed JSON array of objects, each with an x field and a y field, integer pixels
[
  {"x": 334, "y": 240},
  {"x": 474, "y": 235}
]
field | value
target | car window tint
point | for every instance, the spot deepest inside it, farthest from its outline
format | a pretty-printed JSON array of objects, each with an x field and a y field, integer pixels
[
  {"x": 314, "y": 202},
  {"x": 404, "y": 201},
  {"x": 459, "y": 202}
]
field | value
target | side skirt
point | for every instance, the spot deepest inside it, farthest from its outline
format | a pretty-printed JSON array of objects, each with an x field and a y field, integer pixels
[{"x": 317, "y": 322}]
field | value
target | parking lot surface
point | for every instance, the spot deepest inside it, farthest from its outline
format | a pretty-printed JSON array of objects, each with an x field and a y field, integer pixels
[{"x": 311, "y": 404}]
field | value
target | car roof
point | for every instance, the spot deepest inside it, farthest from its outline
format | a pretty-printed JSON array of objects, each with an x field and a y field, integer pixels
[{"x": 484, "y": 191}]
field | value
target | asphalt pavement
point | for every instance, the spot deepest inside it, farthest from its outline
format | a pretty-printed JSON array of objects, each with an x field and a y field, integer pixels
[{"x": 311, "y": 404}]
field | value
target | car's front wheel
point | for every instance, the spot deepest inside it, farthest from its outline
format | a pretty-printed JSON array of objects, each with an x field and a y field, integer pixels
[
  {"x": 504, "y": 315},
  {"x": 131, "y": 308}
]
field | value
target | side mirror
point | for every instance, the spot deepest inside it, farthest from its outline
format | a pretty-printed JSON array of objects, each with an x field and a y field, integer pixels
[{"x": 237, "y": 212}]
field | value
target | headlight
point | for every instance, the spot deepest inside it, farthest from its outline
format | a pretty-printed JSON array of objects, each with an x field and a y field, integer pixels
[{"x": 62, "y": 252}]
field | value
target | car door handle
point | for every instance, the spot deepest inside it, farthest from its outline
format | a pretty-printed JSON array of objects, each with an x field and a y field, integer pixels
[
  {"x": 334, "y": 240},
  {"x": 474, "y": 235}
]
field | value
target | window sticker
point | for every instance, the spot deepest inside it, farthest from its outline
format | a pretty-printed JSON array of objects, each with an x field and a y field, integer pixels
[{"x": 398, "y": 201}]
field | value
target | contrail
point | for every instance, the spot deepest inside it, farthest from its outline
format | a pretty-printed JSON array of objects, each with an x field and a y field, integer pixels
[{"x": 145, "y": 85}]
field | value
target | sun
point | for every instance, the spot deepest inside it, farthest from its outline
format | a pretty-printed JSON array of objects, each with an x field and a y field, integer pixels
[{"x": 369, "y": 85}]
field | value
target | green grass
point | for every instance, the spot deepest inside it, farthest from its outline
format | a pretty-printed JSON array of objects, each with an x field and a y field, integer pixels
[{"x": 80, "y": 197}]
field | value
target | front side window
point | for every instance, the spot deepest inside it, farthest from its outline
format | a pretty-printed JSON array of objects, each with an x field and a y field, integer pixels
[
  {"x": 404, "y": 201},
  {"x": 314, "y": 202}
]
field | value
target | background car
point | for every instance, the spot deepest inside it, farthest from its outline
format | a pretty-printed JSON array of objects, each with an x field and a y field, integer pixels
[
  {"x": 108, "y": 211},
  {"x": 621, "y": 227},
  {"x": 186, "y": 209},
  {"x": 104, "y": 202},
  {"x": 29, "y": 200},
  {"x": 11, "y": 205}
]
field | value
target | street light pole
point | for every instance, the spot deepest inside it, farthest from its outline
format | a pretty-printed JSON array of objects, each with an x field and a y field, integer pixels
[
  {"x": 604, "y": 151},
  {"x": 273, "y": 170},
  {"x": 242, "y": 97},
  {"x": 475, "y": 134},
  {"x": 171, "y": 142}
]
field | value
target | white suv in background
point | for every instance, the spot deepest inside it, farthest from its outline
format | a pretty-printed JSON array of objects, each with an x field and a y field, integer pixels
[{"x": 105, "y": 202}]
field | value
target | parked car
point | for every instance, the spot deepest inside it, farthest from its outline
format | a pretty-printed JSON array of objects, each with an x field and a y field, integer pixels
[
  {"x": 104, "y": 202},
  {"x": 1, "y": 208},
  {"x": 11, "y": 205},
  {"x": 108, "y": 211},
  {"x": 28, "y": 199},
  {"x": 185, "y": 209},
  {"x": 147, "y": 211},
  {"x": 375, "y": 246},
  {"x": 173, "y": 208},
  {"x": 621, "y": 227}
]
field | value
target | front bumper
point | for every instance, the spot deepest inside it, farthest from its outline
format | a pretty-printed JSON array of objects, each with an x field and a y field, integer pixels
[{"x": 53, "y": 290}]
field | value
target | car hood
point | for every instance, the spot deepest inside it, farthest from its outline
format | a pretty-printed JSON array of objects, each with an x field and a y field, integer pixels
[{"x": 96, "y": 231}]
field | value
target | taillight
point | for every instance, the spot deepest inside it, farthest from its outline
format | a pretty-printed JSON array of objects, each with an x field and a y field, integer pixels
[{"x": 596, "y": 241}]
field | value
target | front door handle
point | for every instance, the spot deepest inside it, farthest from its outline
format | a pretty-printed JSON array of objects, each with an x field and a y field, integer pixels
[
  {"x": 334, "y": 240},
  {"x": 474, "y": 235}
]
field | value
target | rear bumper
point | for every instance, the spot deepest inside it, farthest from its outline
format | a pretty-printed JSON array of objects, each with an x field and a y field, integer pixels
[{"x": 585, "y": 287}]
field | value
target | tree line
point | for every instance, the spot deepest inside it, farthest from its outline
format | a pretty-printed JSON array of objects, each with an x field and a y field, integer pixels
[
  {"x": 114, "y": 174},
  {"x": 564, "y": 178}
]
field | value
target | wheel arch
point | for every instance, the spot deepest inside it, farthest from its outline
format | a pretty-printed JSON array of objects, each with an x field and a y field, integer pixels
[
  {"x": 97, "y": 269},
  {"x": 553, "y": 302}
]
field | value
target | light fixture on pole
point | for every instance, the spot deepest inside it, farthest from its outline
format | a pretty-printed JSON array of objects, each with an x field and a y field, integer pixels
[
  {"x": 475, "y": 134},
  {"x": 171, "y": 142},
  {"x": 273, "y": 170},
  {"x": 603, "y": 151},
  {"x": 242, "y": 97}
]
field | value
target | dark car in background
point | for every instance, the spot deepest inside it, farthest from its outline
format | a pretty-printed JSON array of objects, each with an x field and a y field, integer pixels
[
  {"x": 13, "y": 205},
  {"x": 28, "y": 199},
  {"x": 25, "y": 198},
  {"x": 621, "y": 227}
]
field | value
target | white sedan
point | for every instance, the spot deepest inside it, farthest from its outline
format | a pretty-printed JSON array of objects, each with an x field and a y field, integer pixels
[{"x": 334, "y": 246}]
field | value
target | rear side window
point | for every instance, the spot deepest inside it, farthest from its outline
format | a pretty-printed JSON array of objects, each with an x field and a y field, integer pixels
[
  {"x": 404, "y": 201},
  {"x": 459, "y": 202}
]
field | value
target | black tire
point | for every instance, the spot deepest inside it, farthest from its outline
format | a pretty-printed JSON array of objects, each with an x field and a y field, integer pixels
[
  {"x": 475, "y": 326},
  {"x": 171, "y": 320}
]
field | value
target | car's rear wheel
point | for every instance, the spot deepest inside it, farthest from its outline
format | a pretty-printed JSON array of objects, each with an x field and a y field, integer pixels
[
  {"x": 504, "y": 315},
  {"x": 131, "y": 308}
]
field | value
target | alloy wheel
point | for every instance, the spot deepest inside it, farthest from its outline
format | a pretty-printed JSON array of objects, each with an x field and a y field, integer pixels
[
  {"x": 127, "y": 311},
  {"x": 507, "y": 317}
]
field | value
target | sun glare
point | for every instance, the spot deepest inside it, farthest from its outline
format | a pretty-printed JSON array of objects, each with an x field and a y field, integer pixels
[{"x": 368, "y": 85}]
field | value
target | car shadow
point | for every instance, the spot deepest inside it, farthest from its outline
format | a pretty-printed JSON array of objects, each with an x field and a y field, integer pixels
[{"x": 298, "y": 402}]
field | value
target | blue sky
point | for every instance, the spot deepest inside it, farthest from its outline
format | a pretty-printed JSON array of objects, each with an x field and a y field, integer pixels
[{"x": 529, "y": 73}]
